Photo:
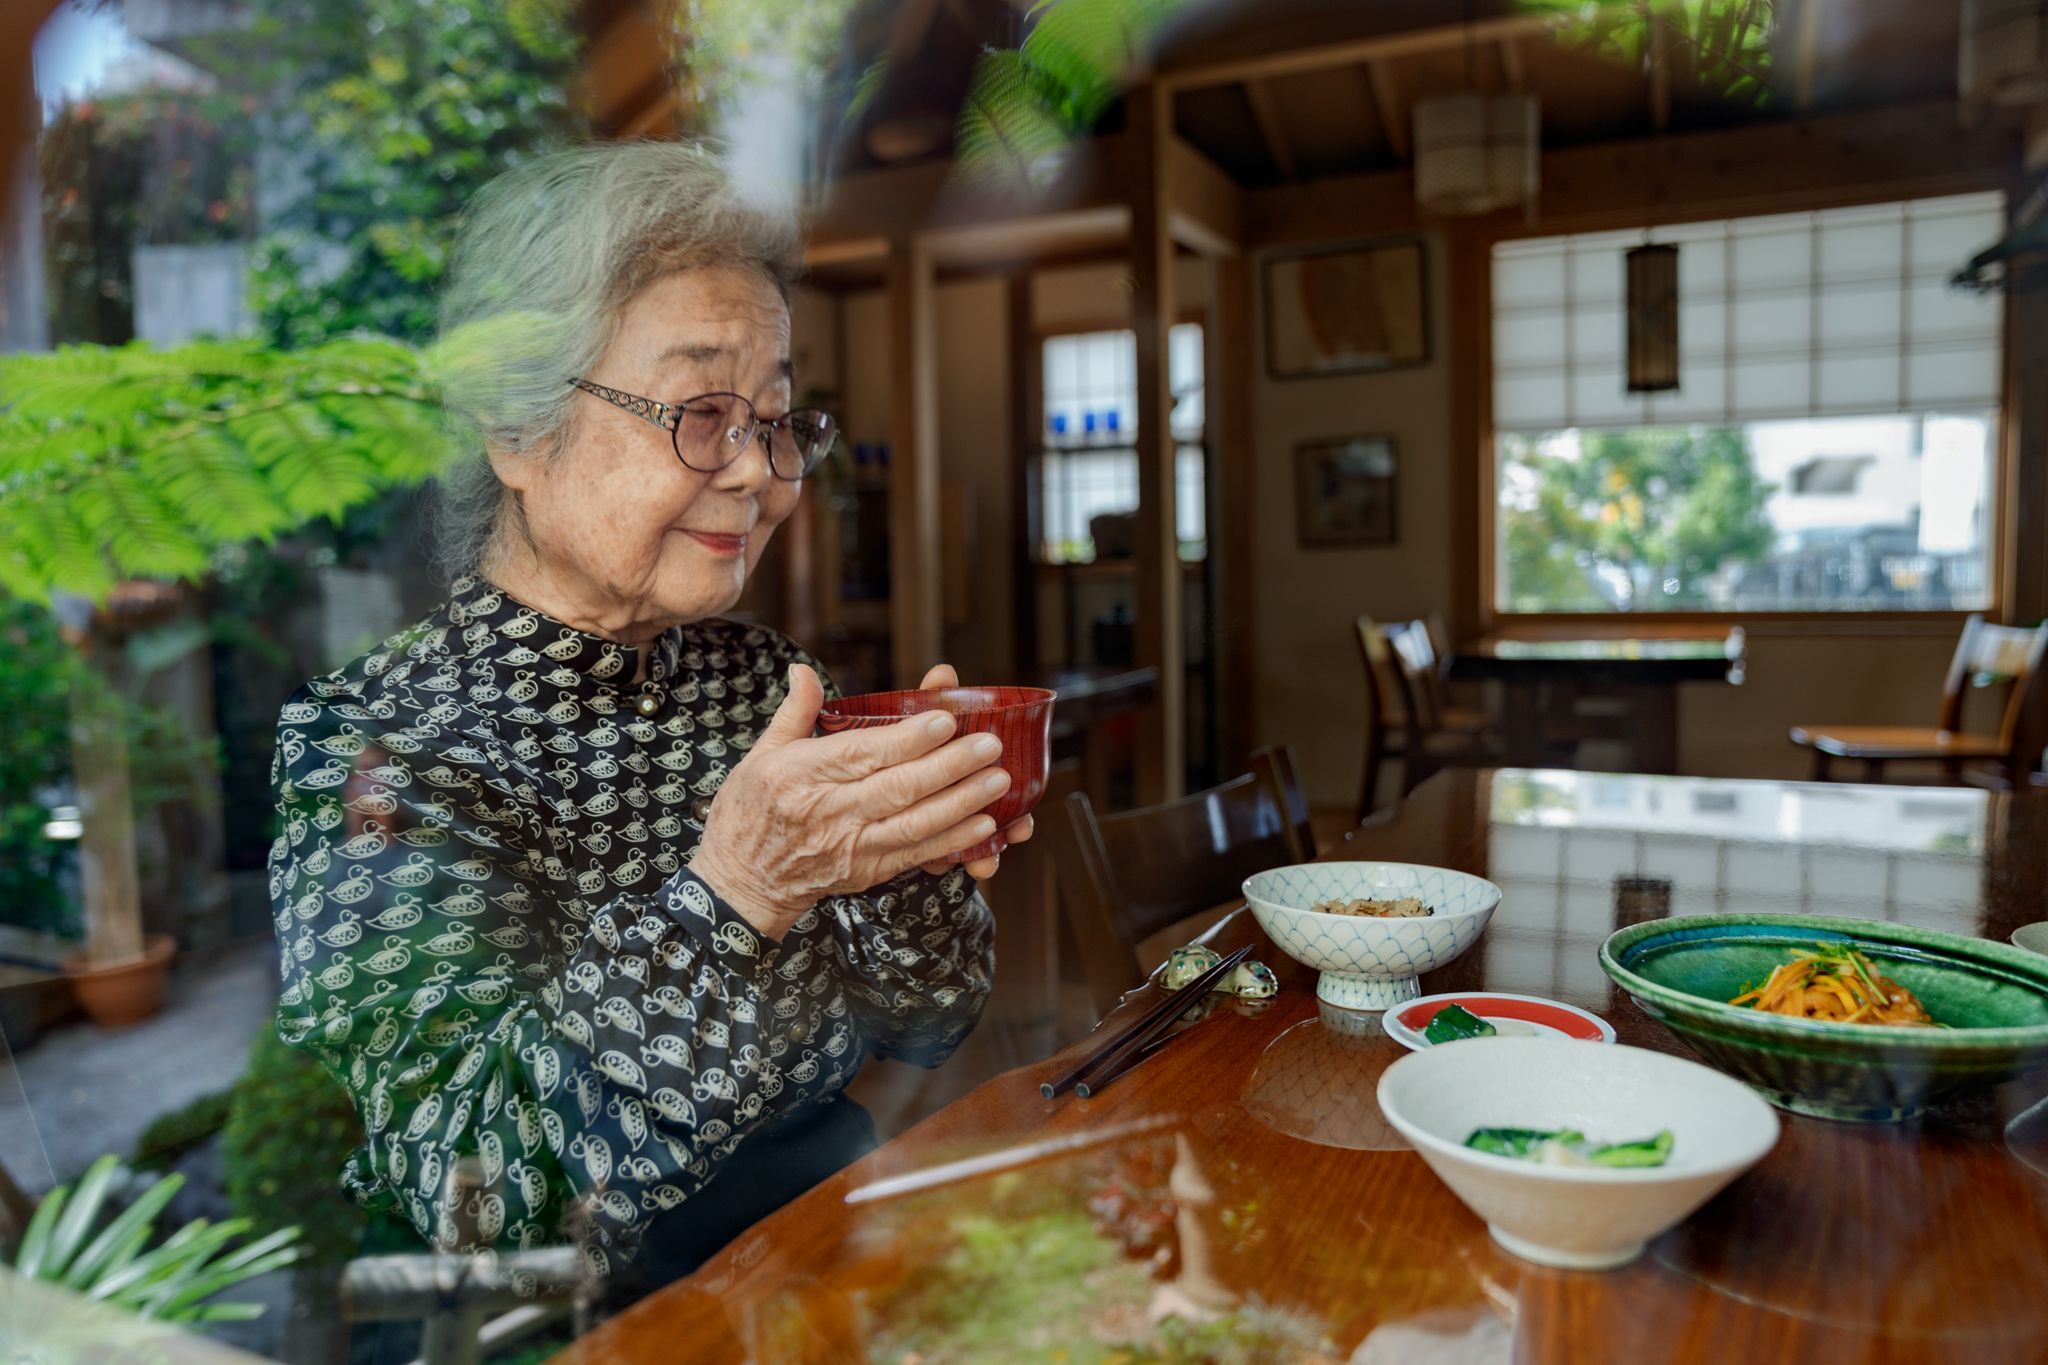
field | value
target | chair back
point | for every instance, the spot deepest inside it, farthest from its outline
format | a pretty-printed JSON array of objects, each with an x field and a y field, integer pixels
[
  {"x": 1989, "y": 656},
  {"x": 1426, "y": 668},
  {"x": 1274, "y": 765},
  {"x": 1386, "y": 718},
  {"x": 1439, "y": 641},
  {"x": 1415, "y": 676},
  {"x": 1125, "y": 877}
]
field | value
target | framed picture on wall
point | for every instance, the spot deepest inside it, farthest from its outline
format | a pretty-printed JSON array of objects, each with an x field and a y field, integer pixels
[
  {"x": 1343, "y": 310},
  {"x": 1344, "y": 492}
]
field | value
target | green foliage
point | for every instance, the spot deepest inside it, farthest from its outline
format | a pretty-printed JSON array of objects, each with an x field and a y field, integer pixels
[
  {"x": 39, "y": 676},
  {"x": 35, "y": 671},
  {"x": 725, "y": 46},
  {"x": 138, "y": 463},
  {"x": 67, "y": 1243},
  {"x": 170, "y": 1136},
  {"x": 401, "y": 110},
  {"x": 1720, "y": 45},
  {"x": 290, "y": 1127},
  {"x": 156, "y": 166},
  {"x": 1669, "y": 508},
  {"x": 1028, "y": 106}
]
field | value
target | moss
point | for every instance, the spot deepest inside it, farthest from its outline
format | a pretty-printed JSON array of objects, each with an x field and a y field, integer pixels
[
  {"x": 170, "y": 1136},
  {"x": 289, "y": 1129}
]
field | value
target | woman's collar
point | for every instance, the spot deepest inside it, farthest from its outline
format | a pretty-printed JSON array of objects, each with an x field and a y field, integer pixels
[{"x": 488, "y": 620}]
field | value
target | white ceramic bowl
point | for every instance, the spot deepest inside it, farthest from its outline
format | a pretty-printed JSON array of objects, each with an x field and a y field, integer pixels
[
  {"x": 1575, "y": 1217},
  {"x": 1370, "y": 964}
]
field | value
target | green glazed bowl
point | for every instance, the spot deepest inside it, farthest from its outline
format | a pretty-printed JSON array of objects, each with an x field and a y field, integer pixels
[{"x": 1993, "y": 997}]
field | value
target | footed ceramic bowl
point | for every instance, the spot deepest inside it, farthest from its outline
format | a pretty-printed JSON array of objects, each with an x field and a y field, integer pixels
[
  {"x": 1580, "y": 1218},
  {"x": 1991, "y": 997},
  {"x": 1370, "y": 964}
]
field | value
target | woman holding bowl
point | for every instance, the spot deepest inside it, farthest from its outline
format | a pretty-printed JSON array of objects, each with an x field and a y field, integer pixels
[{"x": 568, "y": 895}]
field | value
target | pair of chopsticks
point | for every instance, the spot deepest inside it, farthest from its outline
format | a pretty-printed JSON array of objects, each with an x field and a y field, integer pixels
[{"x": 1144, "y": 1036}]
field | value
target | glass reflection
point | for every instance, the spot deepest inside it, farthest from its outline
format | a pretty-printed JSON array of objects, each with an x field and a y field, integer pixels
[
  {"x": 1317, "y": 1081},
  {"x": 1578, "y": 855}
]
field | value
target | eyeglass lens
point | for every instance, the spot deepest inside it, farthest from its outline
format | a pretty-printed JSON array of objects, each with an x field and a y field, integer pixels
[{"x": 713, "y": 430}]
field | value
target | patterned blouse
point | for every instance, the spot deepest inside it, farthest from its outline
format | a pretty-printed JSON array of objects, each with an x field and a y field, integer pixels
[{"x": 491, "y": 934}]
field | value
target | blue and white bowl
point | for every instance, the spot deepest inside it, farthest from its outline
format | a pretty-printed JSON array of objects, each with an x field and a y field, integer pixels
[{"x": 1370, "y": 964}]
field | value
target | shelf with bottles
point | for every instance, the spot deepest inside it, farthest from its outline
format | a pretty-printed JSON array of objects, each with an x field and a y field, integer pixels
[{"x": 864, "y": 465}]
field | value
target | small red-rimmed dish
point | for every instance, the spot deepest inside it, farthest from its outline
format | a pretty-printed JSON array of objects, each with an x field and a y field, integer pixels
[{"x": 1526, "y": 1016}]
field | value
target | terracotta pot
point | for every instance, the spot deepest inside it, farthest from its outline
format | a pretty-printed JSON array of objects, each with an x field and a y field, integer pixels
[{"x": 120, "y": 994}]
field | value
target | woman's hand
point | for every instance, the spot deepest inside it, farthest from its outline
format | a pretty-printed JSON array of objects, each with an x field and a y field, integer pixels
[
  {"x": 802, "y": 818},
  {"x": 981, "y": 869}
]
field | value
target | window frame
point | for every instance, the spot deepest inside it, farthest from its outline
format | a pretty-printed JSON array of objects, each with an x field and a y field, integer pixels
[
  {"x": 1036, "y": 449},
  {"x": 1479, "y": 526}
]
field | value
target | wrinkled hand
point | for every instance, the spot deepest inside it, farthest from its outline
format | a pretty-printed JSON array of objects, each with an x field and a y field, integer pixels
[
  {"x": 801, "y": 818},
  {"x": 981, "y": 869}
]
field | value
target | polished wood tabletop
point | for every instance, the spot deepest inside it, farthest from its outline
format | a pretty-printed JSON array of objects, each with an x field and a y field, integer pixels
[
  {"x": 1241, "y": 1189},
  {"x": 1632, "y": 660}
]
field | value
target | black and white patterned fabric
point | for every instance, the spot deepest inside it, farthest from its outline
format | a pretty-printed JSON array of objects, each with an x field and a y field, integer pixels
[{"x": 491, "y": 934}]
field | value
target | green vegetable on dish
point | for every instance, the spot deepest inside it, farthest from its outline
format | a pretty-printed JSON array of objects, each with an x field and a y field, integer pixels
[
  {"x": 1569, "y": 1147},
  {"x": 1453, "y": 1022}
]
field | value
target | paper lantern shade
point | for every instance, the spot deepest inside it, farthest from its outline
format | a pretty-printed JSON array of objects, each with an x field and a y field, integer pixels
[
  {"x": 1476, "y": 153},
  {"x": 2003, "y": 52}
]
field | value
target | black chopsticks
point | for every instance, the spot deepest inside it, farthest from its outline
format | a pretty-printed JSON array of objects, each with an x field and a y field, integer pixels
[{"x": 1119, "y": 1053}]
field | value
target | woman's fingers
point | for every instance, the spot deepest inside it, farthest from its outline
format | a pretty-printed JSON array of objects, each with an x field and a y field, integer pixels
[
  {"x": 852, "y": 755},
  {"x": 1020, "y": 830},
  {"x": 909, "y": 828},
  {"x": 899, "y": 787},
  {"x": 935, "y": 848},
  {"x": 939, "y": 675},
  {"x": 981, "y": 869}
]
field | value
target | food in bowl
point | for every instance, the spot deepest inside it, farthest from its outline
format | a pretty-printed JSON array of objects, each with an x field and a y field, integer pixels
[
  {"x": 1454, "y": 1022},
  {"x": 1837, "y": 983},
  {"x": 1570, "y": 1147},
  {"x": 1585, "y": 1217},
  {"x": 1989, "y": 999},
  {"x": 1370, "y": 962},
  {"x": 1403, "y": 907}
]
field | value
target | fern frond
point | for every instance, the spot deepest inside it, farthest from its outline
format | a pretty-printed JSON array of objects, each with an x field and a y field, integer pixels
[{"x": 141, "y": 462}]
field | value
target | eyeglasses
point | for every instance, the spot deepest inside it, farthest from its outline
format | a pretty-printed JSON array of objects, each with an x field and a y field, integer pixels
[{"x": 712, "y": 430}]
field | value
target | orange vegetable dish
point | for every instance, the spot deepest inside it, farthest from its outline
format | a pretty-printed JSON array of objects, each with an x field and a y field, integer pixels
[{"x": 1838, "y": 985}]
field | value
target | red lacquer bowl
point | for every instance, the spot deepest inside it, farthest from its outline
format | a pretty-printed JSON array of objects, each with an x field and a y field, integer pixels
[{"x": 1021, "y": 717}]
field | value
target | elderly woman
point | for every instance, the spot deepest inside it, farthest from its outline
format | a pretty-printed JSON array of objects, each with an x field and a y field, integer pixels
[{"x": 568, "y": 894}]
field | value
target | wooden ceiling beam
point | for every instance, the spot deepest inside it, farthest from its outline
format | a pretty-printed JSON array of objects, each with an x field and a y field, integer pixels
[
  {"x": 1386, "y": 97},
  {"x": 625, "y": 69},
  {"x": 657, "y": 117},
  {"x": 1204, "y": 206},
  {"x": 1660, "y": 74},
  {"x": 1352, "y": 51},
  {"x": 1260, "y": 95},
  {"x": 1512, "y": 66},
  {"x": 1805, "y": 54},
  {"x": 1867, "y": 155}
]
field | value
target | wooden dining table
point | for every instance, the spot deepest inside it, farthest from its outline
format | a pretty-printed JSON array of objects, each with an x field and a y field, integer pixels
[
  {"x": 1240, "y": 1196},
  {"x": 1559, "y": 693}
]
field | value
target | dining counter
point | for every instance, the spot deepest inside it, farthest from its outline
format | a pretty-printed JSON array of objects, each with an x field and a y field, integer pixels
[
  {"x": 1242, "y": 1187},
  {"x": 1623, "y": 693}
]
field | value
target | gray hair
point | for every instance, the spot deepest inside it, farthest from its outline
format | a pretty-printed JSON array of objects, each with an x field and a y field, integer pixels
[{"x": 546, "y": 256}]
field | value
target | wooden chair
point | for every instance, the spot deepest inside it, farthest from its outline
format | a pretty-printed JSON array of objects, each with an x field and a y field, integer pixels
[
  {"x": 1427, "y": 640},
  {"x": 1986, "y": 655},
  {"x": 1125, "y": 877},
  {"x": 1386, "y": 719},
  {"x": 1405, "y": 718}
]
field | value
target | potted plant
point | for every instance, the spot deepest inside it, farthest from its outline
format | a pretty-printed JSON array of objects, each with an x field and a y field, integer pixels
[
  {"x": 119, "y": 1261},
  {"x": 123, "y": 470}
]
